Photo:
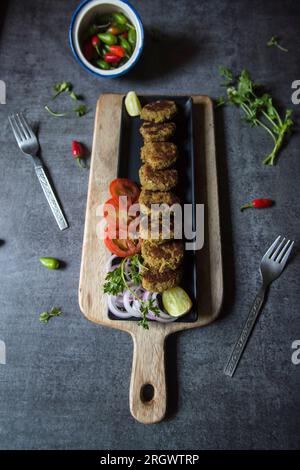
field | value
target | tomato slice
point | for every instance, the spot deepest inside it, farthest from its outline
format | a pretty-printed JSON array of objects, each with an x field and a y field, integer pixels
[
  {"x": 122, "y": 248},
  {"x": 111, "y": 212},
  {"x": 124, "y": 187}
]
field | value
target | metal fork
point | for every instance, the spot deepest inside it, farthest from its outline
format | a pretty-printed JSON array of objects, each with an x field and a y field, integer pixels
[
  {"x": 271, "y": 266},
  {"x": 29, "y": 145}
]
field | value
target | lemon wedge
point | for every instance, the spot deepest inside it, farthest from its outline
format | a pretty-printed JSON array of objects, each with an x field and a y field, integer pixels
[
  {"x": 176, "y": 301},
  {"x": 132, "y": 104}
]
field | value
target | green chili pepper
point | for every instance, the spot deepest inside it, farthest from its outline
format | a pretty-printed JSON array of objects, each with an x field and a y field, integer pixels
[
  {"x": 124, "y": 43},
  {"x": 108, "y": 38},
  {"x": 132, "y": 37},
  {"x": 119, "y": 18},
  {"x": 50, "y": 263},
  {"x": 91, "y": 31},
  {"x": 103, "y": 65}
]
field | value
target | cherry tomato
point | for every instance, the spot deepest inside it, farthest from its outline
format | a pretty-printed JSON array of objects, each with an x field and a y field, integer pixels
[
  {"x": 124, "y": 187},
  {"x": 111, "y": 58},
  {"x": 117, "y": 50}
]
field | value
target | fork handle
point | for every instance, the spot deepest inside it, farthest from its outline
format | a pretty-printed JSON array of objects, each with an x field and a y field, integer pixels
[
  {"x": 245, "y": 334},
  {"x": 51, "y": 198}
]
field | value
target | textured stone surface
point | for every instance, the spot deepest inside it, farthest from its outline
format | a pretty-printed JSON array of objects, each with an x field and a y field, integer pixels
[{"x": 66, "y": 384}]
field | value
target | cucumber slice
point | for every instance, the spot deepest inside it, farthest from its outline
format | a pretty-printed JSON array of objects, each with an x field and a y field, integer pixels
[
  {"x": 176, "y": 302},
  {"x": 132, "y": 104}
]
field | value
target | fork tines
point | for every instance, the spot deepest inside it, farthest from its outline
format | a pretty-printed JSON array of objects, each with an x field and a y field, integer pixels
[
  {"x": 20, "y": 127},
  {"x": 280, "y": 250}
]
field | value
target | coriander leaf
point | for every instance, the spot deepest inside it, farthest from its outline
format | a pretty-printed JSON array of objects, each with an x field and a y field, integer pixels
[
  {"x": 220, "y": 101},
  {"x": 61, "y": 88},
  {"x": 144, "y": 323},
  {"x": 114, "y": 283},
  {"x": 44, "y": 317},
  {"x": 274, "y": 42},
  {"x": 81, "y": 110},
  {"x": 152, "y": 305},
  {"x": 54, "y": 312},
  {"x": 74, "y": 96},
  {"x": 226, "y": 74},
  {"x": 134, "y": 269}
]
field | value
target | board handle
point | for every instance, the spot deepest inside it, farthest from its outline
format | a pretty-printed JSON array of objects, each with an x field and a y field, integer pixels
[{"x": 148, "y": 395}]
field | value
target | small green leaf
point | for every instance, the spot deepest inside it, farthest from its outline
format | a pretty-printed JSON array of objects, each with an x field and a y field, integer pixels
[
  {"x": 61, "y": 88},
  {"x": 44, "y": 317},
  {"x": 220, "y": 101},
  {"x": 226, "y": 74},
  {"x": 274, "y": 42},
  {"x": 81, "y": 110}
]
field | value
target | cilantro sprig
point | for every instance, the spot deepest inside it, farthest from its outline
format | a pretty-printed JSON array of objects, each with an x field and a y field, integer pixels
[
  {"x": 67, "y": 87},
  {"x": 116, "y": 283},
  {"x": 258, "y": 107}
]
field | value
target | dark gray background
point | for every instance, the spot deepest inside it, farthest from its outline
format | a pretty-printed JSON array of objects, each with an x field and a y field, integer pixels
[{"x": 66, "y": 384}]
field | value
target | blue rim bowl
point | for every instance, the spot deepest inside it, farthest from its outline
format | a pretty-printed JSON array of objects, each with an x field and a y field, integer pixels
[{"x": 83, "y": 17}]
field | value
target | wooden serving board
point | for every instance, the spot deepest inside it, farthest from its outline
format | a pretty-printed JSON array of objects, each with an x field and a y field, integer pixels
[{"x": 148, "y": 358}]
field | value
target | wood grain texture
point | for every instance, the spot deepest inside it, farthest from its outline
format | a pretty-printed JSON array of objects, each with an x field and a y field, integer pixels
[{"x": 148, "y": 359}]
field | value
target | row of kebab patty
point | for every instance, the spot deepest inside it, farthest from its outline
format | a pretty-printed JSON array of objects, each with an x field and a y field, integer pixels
[{"x": 163, "y": 256}]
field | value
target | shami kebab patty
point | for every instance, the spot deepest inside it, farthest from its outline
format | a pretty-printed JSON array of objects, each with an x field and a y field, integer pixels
[
  {"x": 148, "y": 198},
  {"x": 159, "y": 155},
  {"x": 163, "y": 257},
  {"x": 156, "y": 232},
  {"x": 159, "y": 111},
  {"x": 154, "y": 281},
  {"x": 157, "y": 132},
  {"x": 157, "y": 180}
]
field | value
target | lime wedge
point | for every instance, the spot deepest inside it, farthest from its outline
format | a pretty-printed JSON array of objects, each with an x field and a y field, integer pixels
[
  {"x": 176, "y": 302},
  {"x": 132, "y": 103}
]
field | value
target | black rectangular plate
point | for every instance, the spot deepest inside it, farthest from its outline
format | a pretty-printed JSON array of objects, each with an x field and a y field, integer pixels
[{"x": 129, "y": 163}]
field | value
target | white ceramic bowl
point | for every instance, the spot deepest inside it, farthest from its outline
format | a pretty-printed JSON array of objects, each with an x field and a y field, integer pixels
[{"x": 83, "y": 18}]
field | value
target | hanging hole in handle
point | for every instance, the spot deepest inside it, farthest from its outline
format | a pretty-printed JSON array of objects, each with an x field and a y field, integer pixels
[{"x": 147, "y": 393}]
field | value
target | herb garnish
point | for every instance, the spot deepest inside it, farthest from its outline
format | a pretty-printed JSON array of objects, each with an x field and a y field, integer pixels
[
  {"x": 67, "y": 87},
  {"x": 61, "y": 88},
  {"x": 258, "y": 107},
  {"x": 116, "y": 283},
  {"x": 274, "y": 42},
  {"x": 54, "y": 312}
]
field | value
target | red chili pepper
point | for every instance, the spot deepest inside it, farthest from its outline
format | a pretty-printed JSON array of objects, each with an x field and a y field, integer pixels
[
  {"x": 77, "y": 152},
  {"x": 88, "y": 50},
  {"x": 258, "y": 204},
  {"x": 95, "y": 41},
  {"x": 111, "y": 58},
  {"x": 117, "y": 50}
]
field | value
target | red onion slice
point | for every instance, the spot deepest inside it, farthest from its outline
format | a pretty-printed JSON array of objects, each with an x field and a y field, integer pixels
[
  {"x": 129, "y": 304},
  {"x": 119, "y": 312}
]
